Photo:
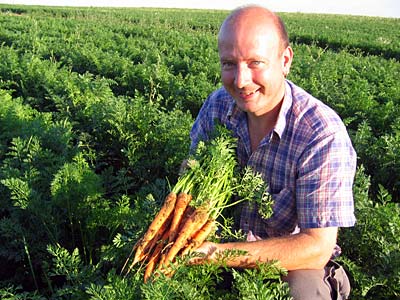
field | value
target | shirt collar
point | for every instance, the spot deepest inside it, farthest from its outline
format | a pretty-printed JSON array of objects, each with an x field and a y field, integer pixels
[{"x": 285, "y": 108}]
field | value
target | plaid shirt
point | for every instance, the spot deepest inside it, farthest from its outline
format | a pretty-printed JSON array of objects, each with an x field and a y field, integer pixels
[{"x": 307, "y": 160}]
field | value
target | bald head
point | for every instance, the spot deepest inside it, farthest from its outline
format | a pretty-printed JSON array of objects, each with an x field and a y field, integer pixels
[{"x": 255, "y": 18}]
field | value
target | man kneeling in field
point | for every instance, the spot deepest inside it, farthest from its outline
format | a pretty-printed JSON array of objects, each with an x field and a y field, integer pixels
[{"x": 298, "y": 144}]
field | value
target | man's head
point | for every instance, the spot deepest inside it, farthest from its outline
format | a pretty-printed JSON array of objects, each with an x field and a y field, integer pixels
[
  {"x": 262, "y": 13},
  {"x": 255, "y": 58}
]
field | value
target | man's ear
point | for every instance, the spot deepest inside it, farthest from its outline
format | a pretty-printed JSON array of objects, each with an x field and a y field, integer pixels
[{"x": 287, "y": 57}]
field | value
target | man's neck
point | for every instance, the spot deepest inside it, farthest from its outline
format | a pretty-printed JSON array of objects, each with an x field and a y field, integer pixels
[{"x": 261, "y": 126}]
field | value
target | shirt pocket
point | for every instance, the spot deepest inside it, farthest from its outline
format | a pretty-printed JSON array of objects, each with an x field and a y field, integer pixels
[{"x": 284, "y": 217}]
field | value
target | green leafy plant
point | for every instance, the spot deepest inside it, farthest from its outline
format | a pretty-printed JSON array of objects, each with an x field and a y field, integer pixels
[
  {"x": 93, "y": 130},
  {"x": 372, "y": 246}
]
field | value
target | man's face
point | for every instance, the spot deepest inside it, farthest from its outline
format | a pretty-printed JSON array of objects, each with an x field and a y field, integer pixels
[{"x": 253, "y": 66}]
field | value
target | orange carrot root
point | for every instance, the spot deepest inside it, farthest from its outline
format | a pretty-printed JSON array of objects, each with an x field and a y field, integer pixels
[
  {"x": 154, "y": 228},
  {"x": 199, "y": 237},
  {"x": 198, "y": 218},
  {"x": 188, "y": 212},
  {"x": 182, "y": 202},
  {"x": 155, "y": 256},
  {"x": 149, "y": 270},
  {"x": 160, "y": 238},
  {"x": 196, "y": 240},
  {"x": 186, "y": 215}
]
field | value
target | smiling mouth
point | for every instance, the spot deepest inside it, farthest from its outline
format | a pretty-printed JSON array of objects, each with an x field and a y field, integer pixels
[{"x": 246, "y": 94}]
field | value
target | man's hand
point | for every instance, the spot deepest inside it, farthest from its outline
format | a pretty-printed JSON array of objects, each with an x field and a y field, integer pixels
[{"x": 206, "y": 252}]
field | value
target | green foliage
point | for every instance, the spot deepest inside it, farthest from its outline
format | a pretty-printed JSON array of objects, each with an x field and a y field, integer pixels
[
  {"x": 16, "y": 293},
  {"x": 385, "y": 151},
  {"x": 150, "y": 141},
  {"x": 369, "y": 35},
  {"x": 372, "y": 247},
  {"x": 75, "y": 274},
  {"x": 115, "y": 287},
  {"x": 262, "y": 283},
  {"x": 95, "y": 110},
  {"x": 253, "y": 188},
  {"x": 210, "y": 281}
]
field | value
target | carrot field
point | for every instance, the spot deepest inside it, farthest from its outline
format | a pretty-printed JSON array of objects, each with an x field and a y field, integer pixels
[{"x": 96, "y": 105}]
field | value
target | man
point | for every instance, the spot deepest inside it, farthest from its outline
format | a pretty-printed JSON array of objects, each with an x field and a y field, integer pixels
[{"x": 296, "y": 142}]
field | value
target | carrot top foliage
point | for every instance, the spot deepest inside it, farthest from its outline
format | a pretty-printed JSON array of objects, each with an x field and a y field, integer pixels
[{"x": 212, "y": 176}]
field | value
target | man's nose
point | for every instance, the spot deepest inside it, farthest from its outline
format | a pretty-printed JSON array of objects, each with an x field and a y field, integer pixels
[{"x": 242, "y": 76}]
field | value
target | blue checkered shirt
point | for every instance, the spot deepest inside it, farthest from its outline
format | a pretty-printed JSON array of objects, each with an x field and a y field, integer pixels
[{"x": 307, "y": 161}]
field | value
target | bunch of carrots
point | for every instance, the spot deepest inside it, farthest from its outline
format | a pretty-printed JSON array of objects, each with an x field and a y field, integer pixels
[{"x": 189, "y": 212}]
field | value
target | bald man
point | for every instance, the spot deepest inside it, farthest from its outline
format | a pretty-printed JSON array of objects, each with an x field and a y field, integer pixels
[{"x": 298, "y": 144}]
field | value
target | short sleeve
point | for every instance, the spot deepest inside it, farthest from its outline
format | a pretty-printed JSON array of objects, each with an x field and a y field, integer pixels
[{"x": 324, "y": 184}]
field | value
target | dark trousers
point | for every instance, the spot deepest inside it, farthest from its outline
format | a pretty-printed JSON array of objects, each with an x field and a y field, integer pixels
[{"x": 326, "y": 284}]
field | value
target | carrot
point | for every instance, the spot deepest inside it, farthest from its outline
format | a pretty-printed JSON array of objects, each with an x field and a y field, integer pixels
[
  {"x": 155, "y": 256},
  {"x": 181, "y": 204},
  {"x": 188, "y": 212},
  {"x": 199, "y": 237},
  {"x": 186, "y": 215},
  {"x": 197, "y": 219},
  {"x": 149, "y": 269},
  {"x": 160, "y": 236},
  {"x": 146, "y": 253},
  {"x": 154, "y": 228}
]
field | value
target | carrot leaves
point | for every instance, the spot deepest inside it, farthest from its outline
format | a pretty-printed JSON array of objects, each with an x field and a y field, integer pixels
[{"x": 213, "y": 176}]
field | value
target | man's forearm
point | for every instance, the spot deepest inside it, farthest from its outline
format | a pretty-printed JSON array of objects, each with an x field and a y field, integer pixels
[{"x": 310, "y": 249}]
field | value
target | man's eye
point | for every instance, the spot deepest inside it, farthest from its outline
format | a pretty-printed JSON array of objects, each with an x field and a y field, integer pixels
[
  {"x": 256, "y": 63},
  {"x": 227, "y": 64}
]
